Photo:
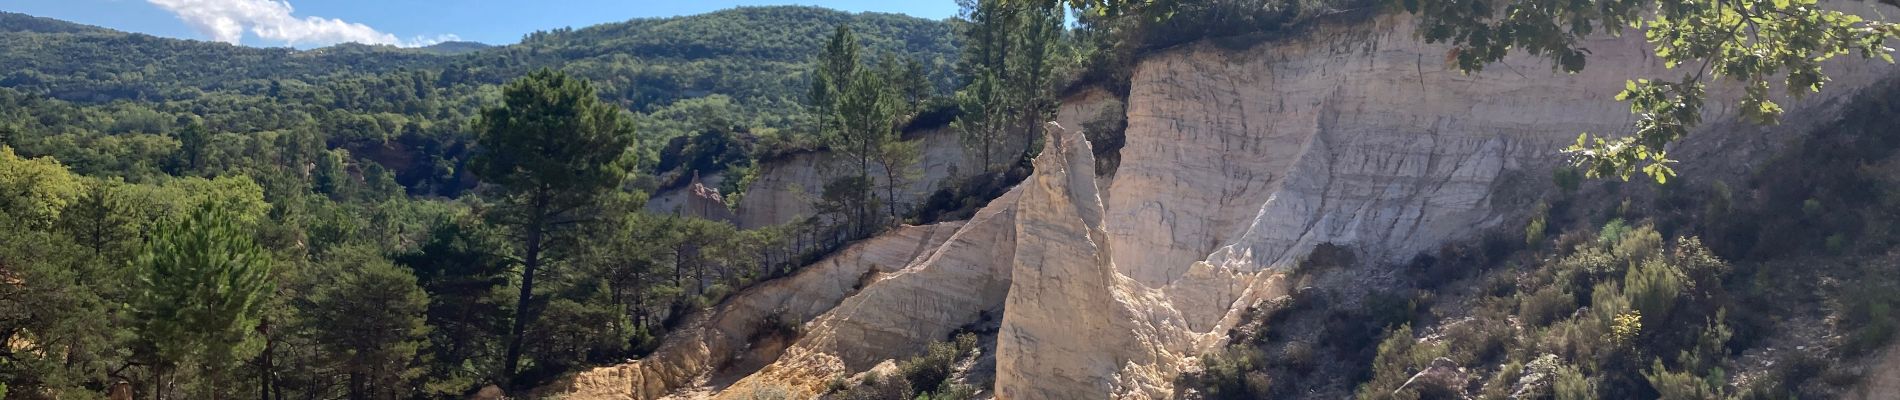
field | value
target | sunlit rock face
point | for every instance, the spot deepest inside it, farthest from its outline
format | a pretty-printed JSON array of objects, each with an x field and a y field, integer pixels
[
  {"x": 1237, "y": 163},
  {"x": 717, "y": 339},
  {"x": 1356, "y": 133},
  {"x": 787, "y": 187}
]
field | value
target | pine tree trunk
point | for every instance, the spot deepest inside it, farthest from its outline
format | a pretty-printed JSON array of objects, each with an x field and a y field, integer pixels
[
  {"x": 529, "y": 263},
  {"x": 890, "y": 191},
  {"x": 357, "y": 387},
  {"x": 267, "y": 371}
]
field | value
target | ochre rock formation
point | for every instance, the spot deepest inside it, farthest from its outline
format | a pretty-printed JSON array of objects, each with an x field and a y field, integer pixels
[{"x": 1237, "y": 163}]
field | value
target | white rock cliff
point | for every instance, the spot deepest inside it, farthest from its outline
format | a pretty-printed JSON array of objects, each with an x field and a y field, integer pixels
[{"x": 1237, "y": 163}]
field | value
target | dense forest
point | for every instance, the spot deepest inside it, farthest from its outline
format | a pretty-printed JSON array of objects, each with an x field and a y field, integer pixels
[
  {"x": 187, "y": 219},
  {"x": 408, "y": 110},
  {"x": 361, "y": 243}
]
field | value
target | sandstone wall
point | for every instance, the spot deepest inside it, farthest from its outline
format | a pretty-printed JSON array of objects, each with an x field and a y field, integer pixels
[
  {"x": 787, "y": 188},
  {"x": 1237, "y": 163},
  {"x": 1357, "y": 133},
  {"x": 717, "y": 338},
  {"x": 675, "y": 201}
]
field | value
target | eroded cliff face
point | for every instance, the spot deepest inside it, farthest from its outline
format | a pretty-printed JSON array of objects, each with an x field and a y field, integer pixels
[
  {"x": 786, "y": 189},
  {"x": 722, "y": 339},
  {"x": 1068, "y": 325},
  {"x": 895, "y": 317},
  {"x": 1237, "y": 163}
]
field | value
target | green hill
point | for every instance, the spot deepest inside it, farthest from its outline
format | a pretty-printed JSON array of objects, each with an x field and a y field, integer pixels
[{"x": 408, "y": 108}]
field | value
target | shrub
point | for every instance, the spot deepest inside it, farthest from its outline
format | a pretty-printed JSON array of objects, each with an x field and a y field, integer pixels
[
  {"x": 1234, "y": 373},
  {"x": 1325, "y": 256},
  {"x": 931, "y": 371},
  {"x": 837, "y": 384},
  {"x": 1672, "y": 385},
  {"x": 1868, "y": 317},
  {"x": 1652, "y": 287},
  {"x": 1481, "y": 339},
  {"x": 1568, "y": 179},
  {"x": 1837, "y": 243},
  {"x": 1545, "y": 306},
  {"x": 1721, "y": 200},
  {"x": 1572, "y": 384},
  {"x": 1297, "y": 356},
  {"x": 1626, "y": 327},
  {"x": 1500, "y": 385},
  {"x": 778, "y": 325},
  {"x": 955, "y": 391},
  {"x": 1612, "y": 231},
  {"x": 1534, "y": 231},
  {"x": 1400, "y": 356},
  {"x": 1635, "y": 245},
  {"x": 875, "y": 387}
]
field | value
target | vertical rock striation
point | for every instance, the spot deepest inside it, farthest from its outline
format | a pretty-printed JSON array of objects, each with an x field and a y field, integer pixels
[{"x": 1066, "y": 325}]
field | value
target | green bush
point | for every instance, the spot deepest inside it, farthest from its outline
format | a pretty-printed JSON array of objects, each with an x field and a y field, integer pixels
[
  {"x": 1836, "y": 243},
  {"x": 1612, "y": 231},
  {"x": 1534, "y": 231},
  {"x": 1480, "y": 340},
  {"x": 1234, "y": 373},
  {"x": 1868, "y": 317},
  {"x": 1674, "y": 385},
  {"x": 1546, "y": 305},
  {"x": 1572, "y": 384},
  {"x": 931, "y": 371},
  {"x": 1400, "y": 356},
  {"x": 1652, "y": 288},
  {"x": 1568, "y": 179}
]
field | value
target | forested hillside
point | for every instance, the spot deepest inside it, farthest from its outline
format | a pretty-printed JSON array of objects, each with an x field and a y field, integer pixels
[
  {"x": 331, "y": 195},
  {"x": 407, "y": 109},
  {"x": 1251, "y": 199}
]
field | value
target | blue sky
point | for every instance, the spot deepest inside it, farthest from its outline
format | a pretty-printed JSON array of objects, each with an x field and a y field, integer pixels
[{"x": 313, "y": 23}]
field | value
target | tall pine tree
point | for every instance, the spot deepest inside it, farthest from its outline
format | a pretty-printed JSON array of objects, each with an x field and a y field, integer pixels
[
  {"x": 551, "y": 150},
  {"x": 202, "y": 283}
]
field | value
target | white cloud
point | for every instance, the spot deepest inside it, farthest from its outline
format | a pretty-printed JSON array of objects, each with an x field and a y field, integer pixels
[{"x": 228, "y": 20}]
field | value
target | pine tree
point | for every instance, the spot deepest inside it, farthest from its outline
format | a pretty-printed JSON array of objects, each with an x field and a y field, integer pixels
[
  {"x": 202, "y": 282},
  {"x": 368, "y": 317},
  {"x": 461, "y": 269},
  {"x": 867, "y": 120},
  {"x": 833, "y": 73},
  {"x": 551, "y": 149},
  {"x": 899, "y": 159},
  {"x": 102, "y": 220},
  {"x": 194, "y": 141},
  {"x": 1009, "y": 60}
]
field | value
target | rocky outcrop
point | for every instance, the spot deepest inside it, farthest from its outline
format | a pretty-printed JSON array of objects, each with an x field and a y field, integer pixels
[
  {"x": 787, "y": 188},
  {"x": 1236, "y": 164},
  {"x": 1356, "y": 134},
  {"x": 1068, "y": 325},
  {"x": 960, "y": 283},
  {"x": 714, "y": 339},
  {"x": 700, "y": 198}
]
